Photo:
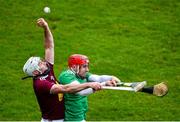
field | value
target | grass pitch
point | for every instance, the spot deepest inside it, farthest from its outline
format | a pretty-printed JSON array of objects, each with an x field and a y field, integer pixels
[{"x": 134, "y": 40}]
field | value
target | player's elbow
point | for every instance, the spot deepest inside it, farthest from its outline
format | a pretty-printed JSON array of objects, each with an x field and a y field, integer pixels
[
  {"x": 49, "y": 45},
  {"x": 55, "y": 89}
]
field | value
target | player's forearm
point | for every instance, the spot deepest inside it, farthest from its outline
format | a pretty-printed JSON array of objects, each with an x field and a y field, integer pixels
[
  {"x": 69, "y": 88},
  {"x": 49, "y": 45},
  {"x": 49, "y": 41},
  {"x": 73, "y": 88}
]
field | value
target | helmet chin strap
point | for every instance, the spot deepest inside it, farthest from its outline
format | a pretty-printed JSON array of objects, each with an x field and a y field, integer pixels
[
  {"x": 75, "y": 70},
  {"x": 42, "y": 74}
]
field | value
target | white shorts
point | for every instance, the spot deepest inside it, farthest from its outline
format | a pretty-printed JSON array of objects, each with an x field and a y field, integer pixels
[{"x": 47, "y": 120}]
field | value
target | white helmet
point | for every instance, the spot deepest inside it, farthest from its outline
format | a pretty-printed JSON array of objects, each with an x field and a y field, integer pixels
[{"x": 31, "y": 65}]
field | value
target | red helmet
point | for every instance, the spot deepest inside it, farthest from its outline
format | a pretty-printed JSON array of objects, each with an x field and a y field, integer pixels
[{"x": 77, "y": 59}]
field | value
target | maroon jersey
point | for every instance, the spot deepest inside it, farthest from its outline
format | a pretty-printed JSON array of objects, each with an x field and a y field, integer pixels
[{"x": 51, "y": 105}]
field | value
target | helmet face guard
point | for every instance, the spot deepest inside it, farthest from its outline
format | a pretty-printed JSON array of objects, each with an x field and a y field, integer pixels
[{"x": 31, "y": 65}]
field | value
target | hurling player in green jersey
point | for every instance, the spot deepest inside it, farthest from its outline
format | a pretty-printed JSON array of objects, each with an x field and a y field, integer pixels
[{"x": 78, "y": 72}]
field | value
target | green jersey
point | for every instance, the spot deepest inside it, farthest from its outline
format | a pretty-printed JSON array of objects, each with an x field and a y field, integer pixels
[{"x": 75, "y": 105}]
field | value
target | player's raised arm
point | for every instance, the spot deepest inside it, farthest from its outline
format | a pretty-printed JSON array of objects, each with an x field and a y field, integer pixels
[{"x": 48, "y": 42}]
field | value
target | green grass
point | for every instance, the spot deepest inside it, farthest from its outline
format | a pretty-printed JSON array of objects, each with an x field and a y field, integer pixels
[{"x": 135, "y": 40}]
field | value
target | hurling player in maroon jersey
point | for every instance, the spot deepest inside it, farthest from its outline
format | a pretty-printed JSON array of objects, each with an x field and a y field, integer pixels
[{"x": 48, "y": 92}]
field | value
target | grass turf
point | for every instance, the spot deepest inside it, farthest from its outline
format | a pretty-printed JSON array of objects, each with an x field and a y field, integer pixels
[{"x": 134, "y": 40}]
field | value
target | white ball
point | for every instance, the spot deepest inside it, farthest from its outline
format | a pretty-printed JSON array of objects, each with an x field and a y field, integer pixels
[{"x": 47, "y": 10}]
